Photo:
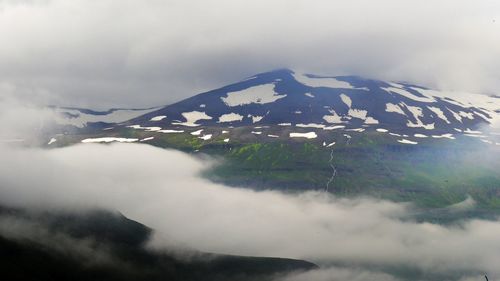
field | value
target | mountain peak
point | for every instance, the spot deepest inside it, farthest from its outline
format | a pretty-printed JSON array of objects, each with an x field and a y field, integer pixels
[{"x": 302, "y": 103}]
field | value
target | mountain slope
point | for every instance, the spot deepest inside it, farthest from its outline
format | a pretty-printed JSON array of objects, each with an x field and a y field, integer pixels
[
  {"x": 345, "y": 135},
  {"x": 288, "y": 98}
]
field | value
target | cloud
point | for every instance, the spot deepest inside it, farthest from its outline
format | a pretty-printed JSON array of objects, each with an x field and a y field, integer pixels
[
  {"x": 338, "y": 274},
  {"x": 163, "y": 190},
  {"x": 109, "y": 53},
  {"x": 22, "y": 119}
]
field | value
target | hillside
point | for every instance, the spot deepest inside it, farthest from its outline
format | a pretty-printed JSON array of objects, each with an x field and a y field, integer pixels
[{"x": 346, "y": 135}]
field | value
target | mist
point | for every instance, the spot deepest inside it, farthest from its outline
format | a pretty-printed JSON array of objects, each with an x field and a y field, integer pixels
[{"x": 163, "y": 189}]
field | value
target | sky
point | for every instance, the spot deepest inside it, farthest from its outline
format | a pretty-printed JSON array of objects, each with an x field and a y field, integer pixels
[{"x": 110, "y": 53}]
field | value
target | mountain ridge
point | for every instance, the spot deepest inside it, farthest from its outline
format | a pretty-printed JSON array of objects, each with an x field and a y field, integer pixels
[
  {"x": 283, "y": 96},
  {"x": 283, "y": 104}
]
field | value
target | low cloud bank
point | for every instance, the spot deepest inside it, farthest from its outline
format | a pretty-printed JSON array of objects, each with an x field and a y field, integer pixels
[{"x": 163, "y": 190}]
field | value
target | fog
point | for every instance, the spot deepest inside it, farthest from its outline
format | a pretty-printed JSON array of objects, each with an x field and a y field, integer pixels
[
  {"x": 107, "y": 53},
  {"x": 163, "y": 189},
  {"x": 21, "y": 119}
]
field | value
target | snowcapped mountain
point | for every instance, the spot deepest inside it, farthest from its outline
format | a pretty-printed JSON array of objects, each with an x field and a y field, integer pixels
[
  {"x": 282, "y": 129},
  {"x": 287, "y": 98}
]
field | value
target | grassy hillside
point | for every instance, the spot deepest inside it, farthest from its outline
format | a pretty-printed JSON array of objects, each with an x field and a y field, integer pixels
[{"x": 433, "y": 174}]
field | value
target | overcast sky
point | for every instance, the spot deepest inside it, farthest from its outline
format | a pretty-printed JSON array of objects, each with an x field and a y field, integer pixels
[{"x": 124, "y": 53}]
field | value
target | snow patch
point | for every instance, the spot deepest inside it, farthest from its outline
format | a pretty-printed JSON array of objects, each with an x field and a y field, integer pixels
[
  {"x": 230, "y": 117},
  {"x": 466, "y": 115},
  {"x": 420, "y": 136},
  {"x": 170, "y": 131},
  {"x": 357, "y": 113},
  {"x": 439, "y": 113},
  {"x": 360, "y": 130},
  {"x": 380, "y": 130},
  {"x": 334, "y": 118},
  {"x": 447, "y": 136},
  {"x": 417, "y": 113},
  {"x": 309, "y": 95},
  {"x": 346, "y": 99},
  {"x": 206, "y": 137},
  {"x": 158, "y": 118},
  {"x": 469, "y": 131},
  {"x": 51, "y": 141},
  {"x": 488, "y": 104},
  {"x": 334, "y": 127},
  {"x": 327, "y": 82},
  {"x": 197, "y": 133},
  {"x": 311, "y": 125},
  {"x": 474, "y": 136},
  {"x": 149, "y": 129},
  {"x": 405, "y": 93},
  {"x": 370, "y": 120},
  {"x": 405, "y": 141},
  {"x": 309, "y": 135},
  {"x": 192, "y": 117},
  {"x": 390, "y": 107},
  {"x": 260, "y": 94},
  {"x": 108, "y": 139},
  {"x": 256, "y": 118}
]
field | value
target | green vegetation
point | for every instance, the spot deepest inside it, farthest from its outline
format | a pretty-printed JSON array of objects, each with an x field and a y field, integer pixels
[{"x": 432, "y": 175}]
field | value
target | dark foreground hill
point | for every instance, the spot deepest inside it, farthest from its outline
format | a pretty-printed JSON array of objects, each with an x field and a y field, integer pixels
[{"x": 99, "y": 245}]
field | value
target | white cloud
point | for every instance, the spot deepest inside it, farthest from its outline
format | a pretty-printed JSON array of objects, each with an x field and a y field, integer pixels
[
  {"x": 107, "y": 53},
  {"x": 20, "y": 119},
  {"x": 338, "y": 274}
]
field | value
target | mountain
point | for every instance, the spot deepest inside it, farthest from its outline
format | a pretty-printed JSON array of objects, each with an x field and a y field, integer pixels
[
  {"x": 289, "y": 99},
  {"x": 286, "y": 104},
  {"x": 346, "y": 135}
]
